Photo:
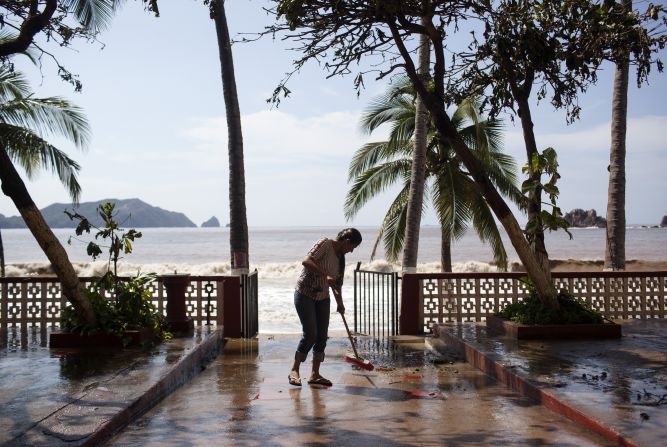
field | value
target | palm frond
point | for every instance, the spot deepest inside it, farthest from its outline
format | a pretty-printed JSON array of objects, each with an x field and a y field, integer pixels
[
  {"x": 366, "y": 157},
  {"x": 371, "y": 182},
  {"x": 12, "y": 85},
  {"x": 48, "y": 116},
  {"x": 487, "y": 229},
  {"x": 389, "y": 232},
  {"x": 449, "y": 196},
  {"x": 394, "y": 226},
  {"x": 94, "y": 15},
  {"x": 31, "y": 152}
]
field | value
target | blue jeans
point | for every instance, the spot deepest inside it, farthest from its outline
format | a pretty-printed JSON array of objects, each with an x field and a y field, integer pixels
[{"x": 314, "y": 316}]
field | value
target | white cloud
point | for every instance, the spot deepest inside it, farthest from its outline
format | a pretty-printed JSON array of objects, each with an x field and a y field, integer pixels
[
  {"x": 584, "y": 155},
  {"x": 643, "y": 136},
  {"x": 277, "y": 137}
]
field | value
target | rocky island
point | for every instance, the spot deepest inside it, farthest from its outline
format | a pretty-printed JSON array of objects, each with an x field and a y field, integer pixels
[
  {"x": 213, "y": 222},
  {"x": 579, "y": 218}
]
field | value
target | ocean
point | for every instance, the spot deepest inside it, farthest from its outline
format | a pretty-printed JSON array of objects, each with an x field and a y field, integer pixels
[{"x": 276, "y": 253}]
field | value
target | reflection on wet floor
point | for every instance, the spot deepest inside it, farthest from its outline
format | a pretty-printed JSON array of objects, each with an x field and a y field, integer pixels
[{"x": 413, "y": 397}]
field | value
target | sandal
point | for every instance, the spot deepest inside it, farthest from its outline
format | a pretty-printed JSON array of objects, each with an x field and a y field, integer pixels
[
  {"x": 294, "y": 379},
  {"x": 320, "y": 381}
]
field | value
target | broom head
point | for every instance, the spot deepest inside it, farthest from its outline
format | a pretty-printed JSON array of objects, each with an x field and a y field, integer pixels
[{"x": 358, "y": 361}]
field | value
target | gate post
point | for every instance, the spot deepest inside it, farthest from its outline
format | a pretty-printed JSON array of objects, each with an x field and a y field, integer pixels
[{"x": 409, "y": 323}]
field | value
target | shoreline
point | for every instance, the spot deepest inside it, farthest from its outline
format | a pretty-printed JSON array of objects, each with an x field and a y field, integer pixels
[{"x": 289, "y": 271}]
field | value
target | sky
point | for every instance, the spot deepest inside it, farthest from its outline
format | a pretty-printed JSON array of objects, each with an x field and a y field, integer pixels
[{"x": 152, "y": 92}]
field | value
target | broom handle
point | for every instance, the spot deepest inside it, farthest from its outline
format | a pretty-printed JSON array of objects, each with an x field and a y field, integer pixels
[{"x": 354, "y": 348}]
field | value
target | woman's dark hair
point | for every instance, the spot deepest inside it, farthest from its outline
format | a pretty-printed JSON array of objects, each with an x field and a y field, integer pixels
[{"x": 351, "y": 235}]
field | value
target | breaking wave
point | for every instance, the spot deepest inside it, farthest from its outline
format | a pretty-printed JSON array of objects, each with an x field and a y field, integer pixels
[{"x": 278, "y": 270}]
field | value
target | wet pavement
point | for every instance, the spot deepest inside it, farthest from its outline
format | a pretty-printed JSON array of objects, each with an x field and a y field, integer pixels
[
  {"x": 77, "y": 397},
  {"x": 617, "y": 386},
  {"x": 413, "y": 397},
  {"x": 422, "y": 392}
]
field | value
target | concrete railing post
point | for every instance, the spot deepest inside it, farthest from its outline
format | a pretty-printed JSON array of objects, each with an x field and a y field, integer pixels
[{"x": 177, "y": 318}]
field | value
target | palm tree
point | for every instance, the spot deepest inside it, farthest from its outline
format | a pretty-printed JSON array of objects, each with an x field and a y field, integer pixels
[
  {"x": 60, "y": 21},
  {"x": 454, "y": 195},
  {"x": 238, "y": 223},
  {"x": 24, "y": 121},
  {"x": 614, "y": 255}
]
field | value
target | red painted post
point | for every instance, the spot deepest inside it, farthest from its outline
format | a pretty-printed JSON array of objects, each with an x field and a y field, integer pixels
[
  {"x": 231, "y": 313},
  {"x": 409, "y": 323}
]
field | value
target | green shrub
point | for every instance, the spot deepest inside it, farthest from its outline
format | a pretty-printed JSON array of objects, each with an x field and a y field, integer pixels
[
  {"x": 131, "y": 305},
  {"x": 532, "y": 311}
]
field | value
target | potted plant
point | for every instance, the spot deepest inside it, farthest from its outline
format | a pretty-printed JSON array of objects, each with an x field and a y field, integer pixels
[{"x": 128, "y": 316}]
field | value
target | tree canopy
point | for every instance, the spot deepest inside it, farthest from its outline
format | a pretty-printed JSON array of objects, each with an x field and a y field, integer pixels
[
  {"x": 41, "y": 25},
  {"x": 513, "y": 46}
]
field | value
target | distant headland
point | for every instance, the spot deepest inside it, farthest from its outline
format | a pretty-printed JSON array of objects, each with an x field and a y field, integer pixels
[{"x": 131, "y": 213}]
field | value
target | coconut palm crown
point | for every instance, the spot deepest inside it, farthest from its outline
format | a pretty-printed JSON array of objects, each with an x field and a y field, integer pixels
[
  {"x": 454, "y": 196},
  {"x": 26, "y": 122}
]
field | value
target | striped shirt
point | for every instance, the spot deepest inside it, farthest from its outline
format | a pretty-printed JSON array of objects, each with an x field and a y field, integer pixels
[{"x": 314, "y": 285}]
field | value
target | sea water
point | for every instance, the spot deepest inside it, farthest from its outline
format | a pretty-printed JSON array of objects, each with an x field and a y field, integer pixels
[{"x": 276, "y": 253}]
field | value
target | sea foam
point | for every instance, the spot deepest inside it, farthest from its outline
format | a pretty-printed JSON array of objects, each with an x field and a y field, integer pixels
[{"x": 276, "y": 271}]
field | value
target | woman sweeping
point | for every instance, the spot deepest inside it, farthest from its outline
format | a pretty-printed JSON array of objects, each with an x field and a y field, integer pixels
[{"x": 323, "y": 269}]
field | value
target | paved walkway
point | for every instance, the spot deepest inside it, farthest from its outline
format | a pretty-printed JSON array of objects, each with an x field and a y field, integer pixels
[
  {"x": 74, "y": 397},
  {"x": 413, "y": 397},
  {"x": 422, "y": 392}
]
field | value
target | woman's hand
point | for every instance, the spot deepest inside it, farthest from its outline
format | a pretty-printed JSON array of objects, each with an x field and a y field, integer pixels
[
  {"x": 340, "y": 308},
  {"x": 331, "y": 281}
]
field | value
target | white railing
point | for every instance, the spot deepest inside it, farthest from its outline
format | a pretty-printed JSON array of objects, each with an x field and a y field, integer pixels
[
  {"x": 445, "y": 297},
  {"x": 37, "y": 301}
]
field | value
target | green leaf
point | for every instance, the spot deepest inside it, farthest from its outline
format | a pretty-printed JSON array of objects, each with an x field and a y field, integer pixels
[
  {"x": 529, "y": 186},
  {"x": 551, "y": 189},
  {"x": 93, "y": 250},
  {"x": 83, "y": 225}
]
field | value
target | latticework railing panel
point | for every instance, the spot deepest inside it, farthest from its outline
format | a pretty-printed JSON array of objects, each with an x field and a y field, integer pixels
[
  {"x": 38, "y": 301},
  {"x": 474, "y": 296}
]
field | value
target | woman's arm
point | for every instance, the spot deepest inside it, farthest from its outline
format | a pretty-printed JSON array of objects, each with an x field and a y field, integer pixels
[
  {"x": 340, "y": 308},
  {"x": 311, "y": 265}
]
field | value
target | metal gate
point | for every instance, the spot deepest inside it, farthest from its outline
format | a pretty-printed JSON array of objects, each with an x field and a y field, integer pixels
[
  {"x": 249, "y": 308},
  {"x": 375, "y": 302}
]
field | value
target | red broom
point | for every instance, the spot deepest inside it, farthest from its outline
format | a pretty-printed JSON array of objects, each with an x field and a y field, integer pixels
[{"x": 354, "y": 358}]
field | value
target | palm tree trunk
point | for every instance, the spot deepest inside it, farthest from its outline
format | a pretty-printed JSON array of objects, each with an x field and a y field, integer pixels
[
  {"x": 445, "y": 250},
  {"x": 14, "y": 188},
  {"x": 238, "y": 224},
  {"x": 614, "y": 253},
  {"x": 417, "y": 175}
]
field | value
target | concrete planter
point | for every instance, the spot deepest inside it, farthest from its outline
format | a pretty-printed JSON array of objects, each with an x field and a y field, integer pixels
[
  {"x": 137, "y": 337},
  {"x": 519, "y": 331}
]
